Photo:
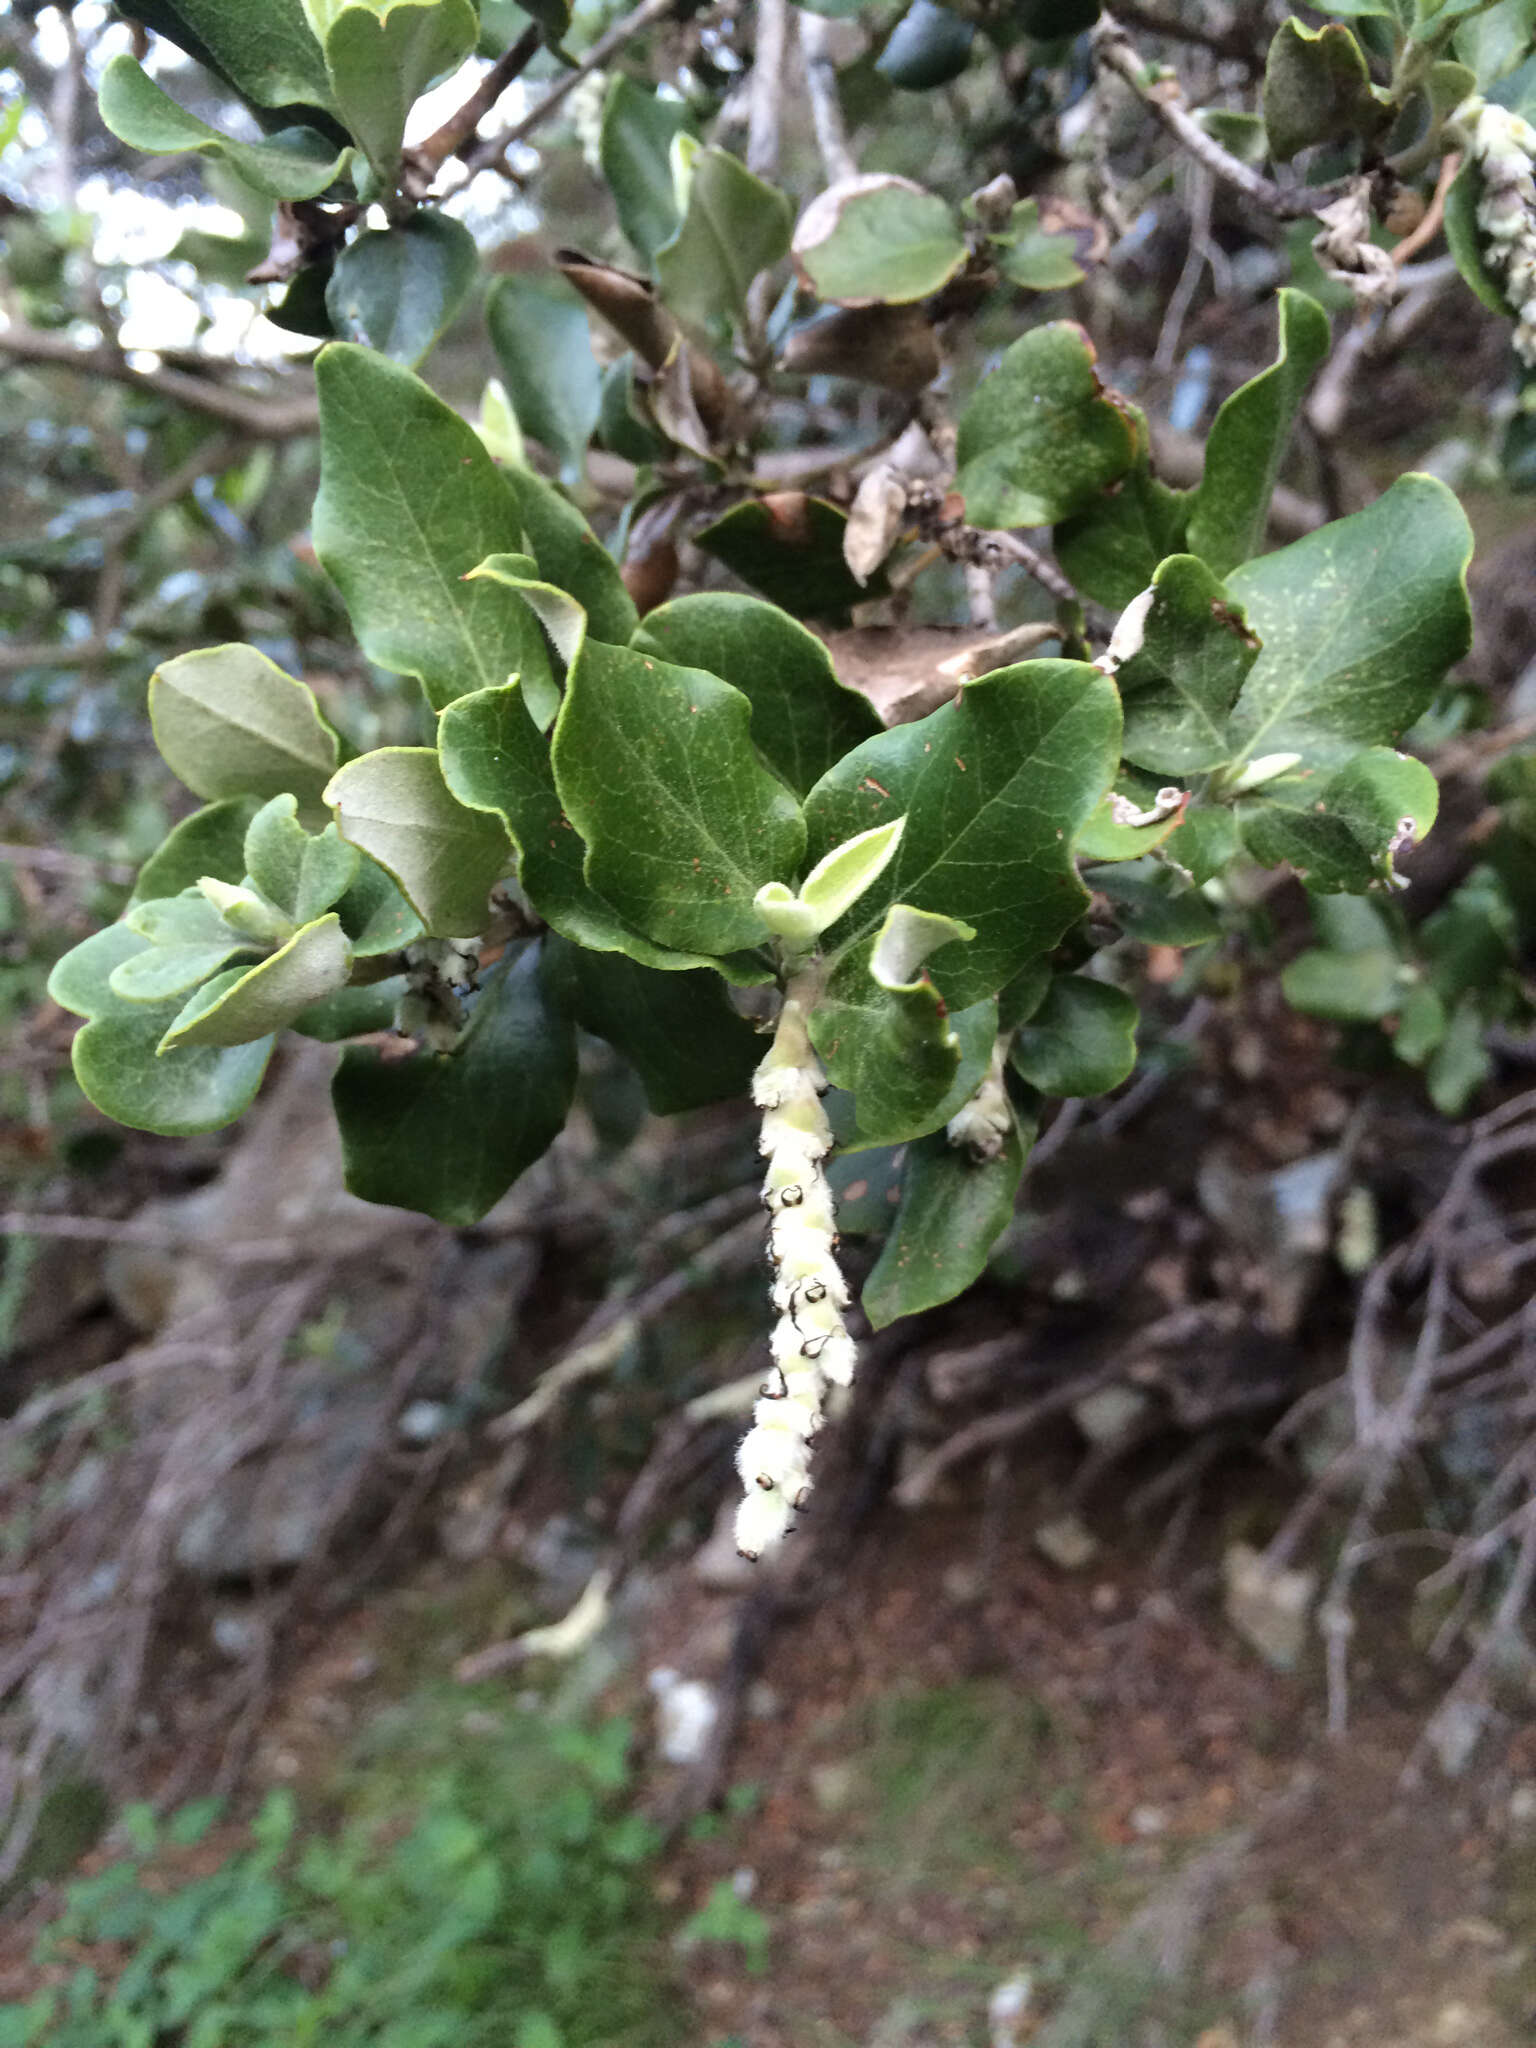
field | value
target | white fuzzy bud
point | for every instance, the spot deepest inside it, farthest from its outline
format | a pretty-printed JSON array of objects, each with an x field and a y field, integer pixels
[{"x": 1503, "y": 146}]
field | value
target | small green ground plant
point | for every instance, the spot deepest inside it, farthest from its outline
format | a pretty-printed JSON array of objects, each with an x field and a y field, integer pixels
[{"x": 505, "y": 1906}]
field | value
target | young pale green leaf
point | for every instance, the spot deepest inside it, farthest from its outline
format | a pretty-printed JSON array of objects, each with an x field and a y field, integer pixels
[
  {"x": 210, "y": 842},
  {"x": 1317, "y": 88},
  {"x": 303, "y": 873},
  {"x": 634, "y": 149},
  {"x": 1493, "y": 41},
  {"x": 994, "y": 789},
  {"x": 1230, "y": 505},
  {"x": 841, "y": 877},
  {"x": 1111, "y": 548},
  {"x": 1340, "y": 834},
  {"x": 268, "y": 53},
  {"x": 883, "y": 1030},
  {"x": 1359, "y": 621},
  {"x": 494, "y": 759},
  {"x": 785, "y": 915},
  {"x": 733, "y": 227},
  {"x": 572, "y": 558},
  {"x": 1461, "y": 1062},
  {"x": 1154, "y": 904},
  {"x": 230, "y": 723},
  {"x": 245, "y": 911},
  {"x": 952, "y": 1211},
  {"x": 683, "y": 825},
  {"x": 1041, "y": 437},
  {"x": 1195, "y": 654},
  {"x": 169, "y": 969},
  {"x": 1081, "y": 1040},
  {"x": 399, "y": 289},
  {"x": 114, "y": 1053},
  {"x": 790, "y": 547},
  {"x": 678, "y": 1031},
  {"x": 803, "y": 719},
  {"x": 544, "y": 346},
  {"x": 877, "y": 240},
  {"x": 381, "y": 55},
  {"x": 448, "y": 1133},
  {"x": 253, "y": 1002},
  {"x": 409, "y": 503},
  {"x": 296, "y": 164},
  {"x": 395, "y": 805}
]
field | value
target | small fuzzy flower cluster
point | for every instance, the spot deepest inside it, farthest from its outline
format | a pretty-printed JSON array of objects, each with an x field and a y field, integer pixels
[
  {"x": 1503, "y": 147},
  {"x": 811, "y": 1348}
]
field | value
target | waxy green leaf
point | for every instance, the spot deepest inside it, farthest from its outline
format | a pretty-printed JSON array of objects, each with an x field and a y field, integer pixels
[
  {"x": 1081, "y": 1040},
  {"x": 882, "y": 1028},
  {"x": 634, "y": 149},
  {"x": 656, "y": 771},
  {"x": 248, "y": 1003},
  {"x": 678, "y": 1031},
  {"x": 269, "y": 52},
  {"x": 198, "y": 1088},
  {"x": 1153, "y": 903},
  {"x": 994, "y": 788},
  {"x": 1317, "y": 88},
  {"x": 877, "y": 240},
  {"x": 494, "y": 759},
  {"x": 230, "y": 723},
  {"x": 297, "y": 163},
  {"x": 790, "y": 547},
  {"x": 395, "y": 805},
  {"x": 1230, "y": 505},
  {"x": 448, "y": 1133},
  {"x": 544, "y": 346},
  {"x": 188, "y": 941},
  {"x": 1111, "y": 548},
  {"x": 803, "y": 719},
  {"x": 563, "y": 619},
  {"x": 1040, "y": 437},
  {"x": 210, "y": 842},
  {"x": 1195, "y": 655},
  {"x": 570, "y": 556},
  {"x": 733, "y": 227},
  {"x": 399, "y": 289},
  {"x": 381, "y": 56},
  {"x": 952, "y": 1211},
  {"x": 1339, "y": 832},
  {"x": 1359, "y": 621},
  {"x": 409, "y": 503}
]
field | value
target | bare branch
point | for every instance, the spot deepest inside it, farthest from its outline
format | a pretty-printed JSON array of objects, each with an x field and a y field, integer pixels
[
  {"x": 263, "y": 419},
  {"x": 826, "y": 108},
  {"x": 458, "y": 131},
  {"x": 489, "y": 154},
  {"x": 1114, "y": 51}
]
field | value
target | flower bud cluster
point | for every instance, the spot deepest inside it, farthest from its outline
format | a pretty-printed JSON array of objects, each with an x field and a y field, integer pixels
[
  {"x": 438, "y": 973},
  {"x": 1503, "y": 147},
  {"x": 811, "y": 1349}
]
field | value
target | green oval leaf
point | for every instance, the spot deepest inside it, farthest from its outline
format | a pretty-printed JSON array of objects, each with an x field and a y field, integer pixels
[
  {"x": 734, "y": 226},
  {"x": 381, "y": 55},
  {"x": 634, "y": 149},
  {"x": 683, "y": 825},
  {"x": 409, "y": 503},
  {"x": 210, "y": 842},
  {"x": 303, "y": 873},
  {"x": 298, "y": 163},
  {"x": 1040, "y": 436},
  {"x": 397, "y": 290},
  {"x": 877, "y": 240},
  {"x": 1081, "y": 1040},
  {"x": 395, "y": 805},
  {"x": 230, "y": 723},
  {"x": 952, "y": 1211},
  {"x": 448, "y": 1133},
  {"x": 803, "y": 719},
  {"x": 544, "y": 346},
  {"x": 1196, "y": 651}
]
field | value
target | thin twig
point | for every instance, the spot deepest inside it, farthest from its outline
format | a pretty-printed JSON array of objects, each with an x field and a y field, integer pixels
[
  {"x": 826, "y": 108},
  {"x": 491, "y": 153},
  {"x": 765, "y": 103},
  {"x": 1114, "y": 51},
  {"x": 458, "y": 131}
]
